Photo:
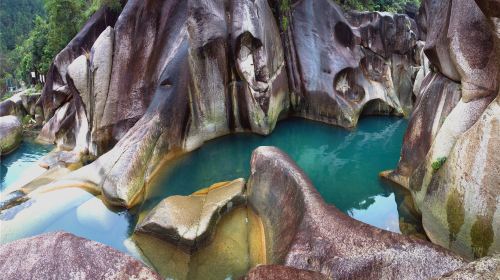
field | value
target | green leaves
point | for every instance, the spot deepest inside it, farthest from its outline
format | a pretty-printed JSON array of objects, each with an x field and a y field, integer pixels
[
  {"x": 33, "y": 32},
  {"x": 394, "y": 6},
  {"x": 436, "y": 165}
]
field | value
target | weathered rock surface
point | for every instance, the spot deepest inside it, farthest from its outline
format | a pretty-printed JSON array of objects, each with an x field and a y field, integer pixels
[
  {"x": 280, "y": 272},
  {"x": 56, "y": 92},
  {"x": 209, "y": 69},
  {"x": 7, "y": 107},
  {"x": 152, "y": 115},
  {"x": 448, "y": 160},
  {"x": 304, "y": 232},
  {"x": 188, "y": 221},
  {"x": 469, "y": 183},
  {"x": 461, "y": 44},
  {"x": 11, "y": 132},
  {"x": 62, "y": 255},
  {"x": 20, "y": 104},
  {"x": 365, "y": 67},
  {"x": 487, "y": 268},
  {"x": 437, "y": 98}
]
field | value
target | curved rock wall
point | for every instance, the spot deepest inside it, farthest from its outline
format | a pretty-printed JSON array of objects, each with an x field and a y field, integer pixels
[
  {"x": 342, "y": 68},
  {"x": 304, "y": 232},
  {"x": 447, "y": 159},
  {"x": 151, "y": 89},
  {"x": 55, "y": 91}
]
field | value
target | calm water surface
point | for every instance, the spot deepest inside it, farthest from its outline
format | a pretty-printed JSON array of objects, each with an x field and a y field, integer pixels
[
  {"x": 14, "y": 164},
  {"x": 342, "y": 164}
]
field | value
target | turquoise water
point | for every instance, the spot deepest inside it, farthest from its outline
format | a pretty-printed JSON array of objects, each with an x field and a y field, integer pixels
[
  {"x": 14, "y": 164},
  {"x": 342, "y": 164}
]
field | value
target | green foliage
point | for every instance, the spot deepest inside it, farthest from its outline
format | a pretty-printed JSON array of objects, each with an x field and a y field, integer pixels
[
  {"x": 6, "y": 96},
  {"x": 436, "y": 165},
  {"x": 394, "y": 6},
  {"x": 16, "y": 21},
  {"x": 30, "y": 55},
  {"x": 40, "y": 29},
  {"x": 26, "y": 120},
  {"x": 97, "y": 4},
  {"x": 284, "y": 10},
  {"x": 63, "y": 20}
]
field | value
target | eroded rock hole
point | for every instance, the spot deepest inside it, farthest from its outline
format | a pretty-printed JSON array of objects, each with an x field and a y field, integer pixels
[
  {"x": 343, "y": 34},
  {"x": 346, "y": 86},
  {"x": 377, "y": 107}
]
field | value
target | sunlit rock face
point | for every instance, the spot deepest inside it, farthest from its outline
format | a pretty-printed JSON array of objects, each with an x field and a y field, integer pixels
[
  {"x": 484, "y": 268},
  {"x": 340, "y": 67},
  {"x": 56, "y": 91},
  {"x": 189, "y": 221},
  {"x": 304, "y": 232},
  {"x": 11, "y": 132},
  {"x": 147, "y": 92},
  {"x": 281, "y": 272},
  {"x": 206, "y": 70},
  {"x": 67, "y": 98},
  {"x": 65, "y": 256},
  {"x": 447, "y": 159}
]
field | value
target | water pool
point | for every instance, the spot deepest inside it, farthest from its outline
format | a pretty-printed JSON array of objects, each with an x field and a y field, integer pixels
[
  {"x": 342, "y": 164},
  {"x": 14, "y": 164}
]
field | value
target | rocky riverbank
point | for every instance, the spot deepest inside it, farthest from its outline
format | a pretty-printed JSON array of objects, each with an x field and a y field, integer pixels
[{"x": 133, "y": 91}]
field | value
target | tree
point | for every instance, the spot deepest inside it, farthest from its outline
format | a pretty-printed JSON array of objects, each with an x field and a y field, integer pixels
[
  {"x": 64, "y": 19},
  {"x": 395, "y": 6}
]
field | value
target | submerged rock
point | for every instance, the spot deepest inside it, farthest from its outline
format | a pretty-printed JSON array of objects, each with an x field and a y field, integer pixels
[
  {"x": 235, "y": 248},
  {"x": 11, "y": 133},
  {"x": 188, "y": 221},
  {"x": 61, "y": 255},
  {"x": 304, "y": 232}
]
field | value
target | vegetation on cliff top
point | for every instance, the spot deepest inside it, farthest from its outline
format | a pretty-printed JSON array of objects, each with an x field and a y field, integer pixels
[
  {"x": 394, "y": 6},
  {"x": 32, "y": 32}
]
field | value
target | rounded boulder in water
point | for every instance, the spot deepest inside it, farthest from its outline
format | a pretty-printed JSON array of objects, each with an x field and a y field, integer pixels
[{"x": 11, "y": 133}]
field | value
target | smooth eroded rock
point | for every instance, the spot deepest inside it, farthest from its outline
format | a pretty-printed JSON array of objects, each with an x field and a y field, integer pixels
[
  {"x": 188, "y": 221},
  {"x": 11, "y": 133},
  {"x": 61, "y": 255},
  {"x": 304, "y": 232},
  {"x": 487, "y": 268},
  {"x": 280, "y": 272}
]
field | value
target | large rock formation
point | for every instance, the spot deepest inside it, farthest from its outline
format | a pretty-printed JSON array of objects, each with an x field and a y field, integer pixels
[
  {"x": 201, "y": 74},
  {"x": 188, "y": 221},
  {"x": 450, "y": 155},
  {"x": 11, "y": 132},
  {"x": 56, "y": 91},
  {"x": 63, "y": 98},
  {"x": 484, "y": 268},
  {"x": 280, "y": 272},
  {"x": 363, "y": 66},
  {"x": 61, "y": 255},
  {"x": 151, "y": 91},
  {"x": 304, "y": 232}
]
